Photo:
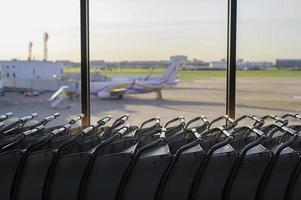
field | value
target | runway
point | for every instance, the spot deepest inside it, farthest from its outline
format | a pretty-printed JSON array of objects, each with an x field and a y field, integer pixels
[{"x": 189, "y": 98}]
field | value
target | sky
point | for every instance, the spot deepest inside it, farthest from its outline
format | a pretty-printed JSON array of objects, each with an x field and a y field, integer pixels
[{"x": 151, "y": 29}]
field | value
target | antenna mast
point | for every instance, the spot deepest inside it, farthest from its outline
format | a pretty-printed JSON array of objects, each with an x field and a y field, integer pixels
[
  {"x": 46, "y": 37},
  {"x": 30, "y": 51}
]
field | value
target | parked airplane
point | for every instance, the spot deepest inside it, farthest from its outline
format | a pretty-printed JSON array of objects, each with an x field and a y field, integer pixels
[
  {"x": 125, "y": 85},
  {"x": 136, "y": 85}
]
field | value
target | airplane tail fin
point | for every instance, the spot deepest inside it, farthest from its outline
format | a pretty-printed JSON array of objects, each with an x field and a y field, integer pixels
[{"x": 171, "y": 73}]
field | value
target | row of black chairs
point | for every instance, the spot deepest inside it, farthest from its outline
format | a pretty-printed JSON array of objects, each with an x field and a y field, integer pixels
[{"x": 250, "y": 158}]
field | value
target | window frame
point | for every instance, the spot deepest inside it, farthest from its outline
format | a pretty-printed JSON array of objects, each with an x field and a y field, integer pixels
[{"x": 85, "y": 60}]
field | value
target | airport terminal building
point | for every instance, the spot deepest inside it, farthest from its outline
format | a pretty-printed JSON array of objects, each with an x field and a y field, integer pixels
[{"x": 37, "y": 75}]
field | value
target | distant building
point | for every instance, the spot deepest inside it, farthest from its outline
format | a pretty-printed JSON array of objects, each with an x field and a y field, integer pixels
[
  {"x": 196, "y": 64},
  {"x": 179, "y": 59},
  {"x": 65, "y": 63},
  {"x": 242, "y": 65},
  {"x": 294, "y": 63},
  {"x": 31, "y": 69},
  {"x": 252, "y": 65},
  {"x": 98, "y": 63},
  {"x": 37, "y": 75},
  {"x": 221, "y": 64},
  {"x": 139, "y": 64},
  {"x": 194, "y": 67}
]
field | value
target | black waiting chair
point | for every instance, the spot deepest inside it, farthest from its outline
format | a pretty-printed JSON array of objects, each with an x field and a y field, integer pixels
[
  {"x": 106, "y": 169},
  {"x": 147, "y": 167},
  {"x": 64, "y": 176},
  {"x": 12, "y": 159},
  {"x": 179, "y": 176},
  {"x": 249, "y": 169},
  {"x": 38, "y": 162},
  {"x": 282, "y": 166},
  {"x": 220, "y": 159}
]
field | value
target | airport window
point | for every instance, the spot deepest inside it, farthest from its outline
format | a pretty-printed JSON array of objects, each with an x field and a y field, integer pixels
[
  {"x": 165, "y": 58},
  {"x": 268, "y": 52},
  {"x": 133, "y": 43},
  {"x": 52, "y": 37},
  {"x": 138, "y": 42}
]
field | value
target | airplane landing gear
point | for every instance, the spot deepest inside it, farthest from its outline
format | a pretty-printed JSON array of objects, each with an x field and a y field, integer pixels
[{"x": 159, "y": 95}]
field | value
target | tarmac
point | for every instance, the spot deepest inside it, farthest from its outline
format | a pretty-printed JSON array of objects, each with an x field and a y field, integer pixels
[{"x": 190, "y": 98}]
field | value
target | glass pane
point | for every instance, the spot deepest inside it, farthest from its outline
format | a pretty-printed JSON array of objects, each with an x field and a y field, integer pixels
[
  {"x": 133, "y": 45},
  {"x": 269, "y": 48},
  {"x": 40, "y": 41}
]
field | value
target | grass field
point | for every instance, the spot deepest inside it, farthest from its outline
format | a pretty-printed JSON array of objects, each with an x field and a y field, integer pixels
[{"x": 273, "y": 73}]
